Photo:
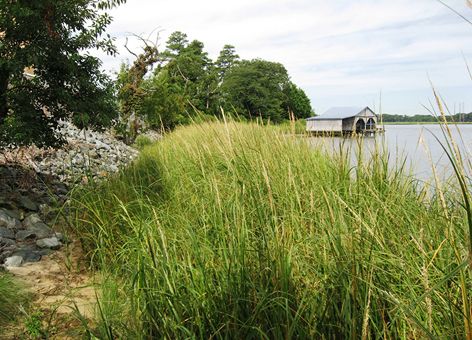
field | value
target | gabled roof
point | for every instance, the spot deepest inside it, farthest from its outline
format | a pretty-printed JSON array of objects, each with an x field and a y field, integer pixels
[{"x": 342, "y": 112}]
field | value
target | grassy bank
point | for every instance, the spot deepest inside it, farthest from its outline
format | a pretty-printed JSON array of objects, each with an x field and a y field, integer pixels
[{"x": 240, "y": 231}]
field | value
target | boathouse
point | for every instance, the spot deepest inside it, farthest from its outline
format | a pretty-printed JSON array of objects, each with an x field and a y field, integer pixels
[{"x": 344, "y": 120}]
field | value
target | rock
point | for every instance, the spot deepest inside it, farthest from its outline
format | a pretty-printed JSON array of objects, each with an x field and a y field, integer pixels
[
  {"x": 44, "y": 209},
  {"x": 50, "y": 243},
  {"x": 13, "y": 214},
  {"x": 6, "y": 242},
  {"x": 7, "y": 221},
  {"x": 8, "y": 205},
  {"x": 31, "y": 220},
  {"x": 41, "y": 230},
  {"x": 6, "y": 252},
  {"x": 45, "y": 252},
  {"x": 6, "y": 233},
  {"x": 34, "y": 223},
  {"x": 28, "y": 255},
  {"x": 23, "y": 235},
  {"x": 62, "y": 238},
  {"x": 13, "y": 261},
  {"x": 113, "y": 168},
  {"x": 101, "y": 145},
  {"x": 27, "y": 203},
  {"x": 61, "y": 188}
]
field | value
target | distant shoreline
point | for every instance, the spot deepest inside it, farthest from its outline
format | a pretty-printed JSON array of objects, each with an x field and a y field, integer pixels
[{"x": 424, "y": 123}]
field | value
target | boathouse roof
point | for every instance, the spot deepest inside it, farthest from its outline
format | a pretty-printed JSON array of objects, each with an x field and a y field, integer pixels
[{"x": 342, "y": 112}]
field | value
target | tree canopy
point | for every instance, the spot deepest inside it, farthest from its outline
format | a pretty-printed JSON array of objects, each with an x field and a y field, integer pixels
[
  {"x": 53, "y": 37},
  {"x": 187, "y": 83},
  {"x": 260, "y": 88},
  {"x": 256, "y": 89}
]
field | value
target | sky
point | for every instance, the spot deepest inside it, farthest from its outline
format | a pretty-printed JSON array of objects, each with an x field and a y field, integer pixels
[{"x": 385, "y": 54}]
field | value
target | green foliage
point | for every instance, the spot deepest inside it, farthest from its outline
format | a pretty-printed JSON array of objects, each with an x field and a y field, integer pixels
[
  {"x": 131, "y": 93},
  {"x": 142, "y": 141},
  {"x": 192, "y": 72},
  {"x": 298, "y": 102},
  {"x": 165, "y": 103},
  {"x": 187, "y": 84},
  {"x": 227, "y": 59},
  {"x": 238, "y": 231},
  {"x": 459, "y": 117},
  {"x": 176, "y": 43},
  {"x": 67, "y": 80},
  {"x": 34, "y": 325},
  {"x": 255, "y": 89}
]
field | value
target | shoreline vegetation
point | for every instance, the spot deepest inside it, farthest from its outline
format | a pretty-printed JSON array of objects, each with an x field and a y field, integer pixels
[
  {"x": 425, "y": 123},
  {"x": 432, "y": 118},
  {"x": 238, "y": 230}
]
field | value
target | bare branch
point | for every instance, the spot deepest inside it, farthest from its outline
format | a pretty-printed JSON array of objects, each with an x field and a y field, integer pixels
[{"x": 126, "y": 46}]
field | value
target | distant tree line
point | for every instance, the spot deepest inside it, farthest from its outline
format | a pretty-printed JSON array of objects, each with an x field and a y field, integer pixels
[
  {"x": 459, "y": 117},
  {"x": 185, "y": 84}
]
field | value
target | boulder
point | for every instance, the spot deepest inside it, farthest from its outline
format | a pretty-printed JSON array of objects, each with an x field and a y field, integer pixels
[
  {"x": 13, "y": 214},
  {"x": 34, "y": 223},
  {"x": 27, "y": 203},
  {"x": 13, "y": 261},
  {"x": 7, "y": 221},
  {"x": 23, "y": 235},
  {"x": 7, "y": 233},
  {"x": 6, "y": 242},
  {"x": 41, "y": 230},
  {"x": 31, "y": 220},
  {"x": 28, "y": 255},
  {"x": 49, "y": 243}
]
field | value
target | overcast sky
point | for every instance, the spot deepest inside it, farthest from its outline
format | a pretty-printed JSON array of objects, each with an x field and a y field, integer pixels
[{"x": 341, "y": 52}]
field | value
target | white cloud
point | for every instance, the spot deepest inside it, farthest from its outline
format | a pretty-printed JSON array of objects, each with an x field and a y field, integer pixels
[{"x": 344, "y": 48}]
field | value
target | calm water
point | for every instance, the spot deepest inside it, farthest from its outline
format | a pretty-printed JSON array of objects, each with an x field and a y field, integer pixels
[{"x": 415, "y": 143}]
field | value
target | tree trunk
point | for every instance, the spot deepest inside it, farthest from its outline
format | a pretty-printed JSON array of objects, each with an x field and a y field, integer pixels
[{"x": 4, "y": 77}]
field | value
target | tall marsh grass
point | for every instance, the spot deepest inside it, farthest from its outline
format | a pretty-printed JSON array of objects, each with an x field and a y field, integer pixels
[
  {"x": 235, "y": 230},
  {"x": 13, "y": 297}
]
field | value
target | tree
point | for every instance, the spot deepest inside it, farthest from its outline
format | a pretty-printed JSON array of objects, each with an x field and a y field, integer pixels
[
  {"x": 298, "y": 102},
  {"x": 176, "y": 43},
  {"x": 130, "y": 91},
  {"x": 164, "y": 104},
  {"x": 256, "y": 88},
  {"x": 226, "y": 60},
  {"x": 53, "y": 37},
  {"x": 192, "y": 71}
]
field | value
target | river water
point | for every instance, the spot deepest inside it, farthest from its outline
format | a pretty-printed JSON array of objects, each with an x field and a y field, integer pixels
[{"x": 414, "y": 143}]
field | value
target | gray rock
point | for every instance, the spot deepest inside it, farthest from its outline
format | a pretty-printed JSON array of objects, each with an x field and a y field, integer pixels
[
  {"x": 31, "y": 220},
  {"x": 23, "y": 235},
  {"x": 6, "y": 252},
  {"x": 13, "y": 214},
  {"x": 7, "y": 221},
  {"x": 28, "y": 204},
  {"x": 61, "y": 237},
  {"x": 6, "y": 233},
  {"x": 34, "y": 223},
  {"x": 113, "y": 168},
  {"x": 28, "y": 255},
  {"x": 102, "y": 146},
  {"x": 6, "y": 242},
  {"x": 45, "y": 252},
  {"x": 44, "y": 209},
  {"x": 50, "y": 243},
  {"x": 13, "y": 261},
  {"x": 41, "y": 230}
]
